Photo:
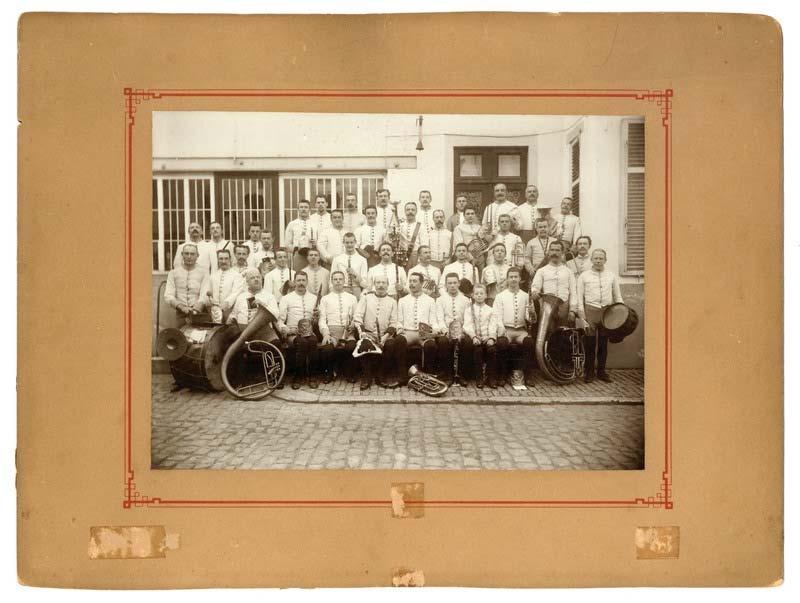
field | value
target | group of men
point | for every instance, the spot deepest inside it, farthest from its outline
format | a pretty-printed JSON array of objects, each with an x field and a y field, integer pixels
[{"x": 416, "y": 285}]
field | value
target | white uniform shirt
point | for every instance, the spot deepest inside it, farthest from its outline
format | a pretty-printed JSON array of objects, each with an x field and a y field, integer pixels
[
  {"x": 376, "y": 314},
  {"x": 214, "y": 247},
  {"x": 480, "y": 321},
  {"x": 598, "y": 289},
  {"x": 465, "y": 233},
  {"x": 357, "y": 262},
  {"x": 318, "y": 280},
  {"x": 407, "y": 231},
  {"x": 558, "y": 281},
  {"x": 292, "y": 307},
  {"x": 430, "y": 271},
  {"x": 510, "y": 310},
  {"x": 579, "y": 265},
  {"x": 495, "y": 210},
  {"x": 367, "y": 235},
  {"x": 205, "y": 251},
  {"x": 245, "y": 308},
  {"x": 412, "y": 310},
  {"x": 440, "y": 241},
  {"x": 253, "y": 247},
  {"x": 495, "y": 274},
  {"x": 385, "y": 217},
  {"x": 187, "y": 287},
  {"x": 391, "y": 272},
  {"x": 568, "y": 227},
  {"x": 536, "y": 251},
  {"x": 225, "y": 287},
  {"x": 320, "y": 223},
  {"x": 451, "y": 307},
  {"x": 299, "y": 232},
  {"x": 425, "y": 217},
  {"x": 274, "y": 280},
  {"x": 463, "y": 269},
  {"x": 254, "y": 260},
  {"x": 509, "y": 240},
  {"x": 336, "y": 310},
  {"x": 331, "y": 243},
  {"x": 525, "y": 216},
  {"x": 352, "y": 221}
]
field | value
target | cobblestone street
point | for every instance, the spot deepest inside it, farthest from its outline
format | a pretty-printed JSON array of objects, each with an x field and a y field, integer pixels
[{"x": 392, "y": 429}]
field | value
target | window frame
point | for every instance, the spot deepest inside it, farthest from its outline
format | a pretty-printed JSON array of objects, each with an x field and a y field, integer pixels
[{"x": 625, "y": 170}]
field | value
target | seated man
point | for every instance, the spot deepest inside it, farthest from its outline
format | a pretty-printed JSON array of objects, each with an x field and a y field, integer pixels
[
  {"x": 294, "y": 321},
  {"x": 415, "y": 309},
  {"x": 187, "y": 287},
  {"x": 225, "y": 286},
  {"x": 336, "y": 313},
  {"x": 451, "y": 307},
  {"x": 480, "y": 326},
  {"x": 376, "y": 320},
  {"x": 510, "y": 310}
]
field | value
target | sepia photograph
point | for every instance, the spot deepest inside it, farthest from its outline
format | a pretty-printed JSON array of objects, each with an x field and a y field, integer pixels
[{"x": 397, "y": 291}]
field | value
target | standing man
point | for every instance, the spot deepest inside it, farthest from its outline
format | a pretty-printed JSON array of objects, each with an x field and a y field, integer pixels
[
  {"x": 498, "y": 207},
  {"x": 204, "y": 248},
  {"x": 505, "y": 236},
  {"x": 495, "y": 274},
  {"x": 581, "y": 262},
  {"x": 376, "y": 319},
  {"x": 458, "y": 217},
  {"x": 480, "y": 325},
  {"x": 536, "y": 249},
  {"x": 462, "y": 267},
  {"x": 395, "y": 275},
  {"x": 301, "y": 345},
  {"x": 336, "y": 315},
  {"x": 353, "y": 218},
  {"x": 331, "y": 241},
  {"x": 279, "y": 275},
  {"x": 451, "y": 308},
  {"x": 257, "y": 258},
  {"x": 426, "y": 267},
  {"x": 441, "y": 240},
  {"x": 225, "y": 286},
  {"x": 425, "y": 214},
  {"x": 597, "y": 288},
  {"x": 468, "y": 230},
  {"x": 526, "y": 214},
  {"x": 254, "y": 244},
  {"x": 554, "y": 278},
  {"x": 384, "y": 209},
  {"x": 370, "y": 236},
  {"x": 352, "y": 265},
  {"x": 318, "y": 277},
  {"x": 413, "y": 309},
  {"x": 321, "y": 219},
  {"x": 412, "y": 234},
  {"x": 217, "y": 243},
  {"x": 511, "y": 311},
  {"x": 568, "y": 226},
  {"x": 187, "y": 286},
  {"x": 300, "y": 235},
  {"x": 241, "y": 252}
]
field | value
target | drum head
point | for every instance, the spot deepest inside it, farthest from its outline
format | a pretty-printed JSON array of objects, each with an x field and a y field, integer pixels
[
  {"x": 171, "y": 344},
  {"x": 615, "y": 316}
]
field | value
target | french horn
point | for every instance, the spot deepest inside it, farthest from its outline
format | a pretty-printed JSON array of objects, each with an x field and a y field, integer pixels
[
  {"x": 425, "y": 383},
  {"x": 272, "y": 360},
  {"x": 559, "y": 350}
]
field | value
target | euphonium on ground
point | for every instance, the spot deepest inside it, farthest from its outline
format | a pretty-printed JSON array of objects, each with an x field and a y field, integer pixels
[
  {"x": 425, "y": 383},
  {"x": 559, "y": 350},
  {"x": 255, "y": 384}
]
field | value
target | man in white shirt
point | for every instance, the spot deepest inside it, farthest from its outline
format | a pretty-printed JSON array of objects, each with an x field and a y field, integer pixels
[
  {"x": 280, "y": 275},
  {"x": 336, "y": 315},
  {"x": 511, "y": 312},
  {"x": 254, "y": 244},
  {"x": 480, "y": 326},
  {"x": 412, "y": 234},
  {"x": 395, "y": 275},
  {"x": 246, "y": 305},
  {"x": 505, "y": 236},
  {"x": 432, "y": 273},
  {"x": 369, "y": 237},
  {"x": 204, "y": 248},
  {"x": 526, "y": 214},
  {"x": 225, "y": 286},
  {"x": 597, "y": 288},
  {"x": 300, "y": 342},
  {"x": 536, "y": 249},
  {"x": 581, "y": 261},
  {"x": 494, "y": 275},
  {"x": 217, "y": 243},
  {"x": 498, "y": 207},
  {"x": 241, "y": 253},
  {"x": 331, "y": 241},
  {"x": 554, "y": 278},
  {"x": 300, "y": 234},
  {"x": 352, "y": 218},
  {"x": 321, "y": 219},
  {"x": 469, "y": 229},
  {"x": 440, "y": 240},
  {"x": 376, "y": 319},
  {"x": 187, "y": 287},
  {"x": 450, "y": 307},
  {"x": 458, "y": 216},
  {"x": 352, "y": 265},
  {"x": 384, "y": 210},
  {"x": 425, "y": 213},
  {"x": 467, "y": 273},
  {"x": 568, "y": 226},
  {"x": 413, "y": 309},
  {"x": 257, "y": 258},
  {"x": 318, "y": 277}
]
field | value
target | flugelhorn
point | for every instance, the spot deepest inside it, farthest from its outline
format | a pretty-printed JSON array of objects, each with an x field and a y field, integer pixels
[{"x": 425, "y": 383}]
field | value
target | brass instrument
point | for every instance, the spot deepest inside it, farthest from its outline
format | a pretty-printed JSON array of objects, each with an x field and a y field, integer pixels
[
  {"x": 429, "y": 287},
  {"x": 425, "y": 383},
  {"x": 395, "y": 239},
  {"x": 559, "y": 350},
  {"x": 454, "y": 332},
  {"x": 272, "y": 360}
]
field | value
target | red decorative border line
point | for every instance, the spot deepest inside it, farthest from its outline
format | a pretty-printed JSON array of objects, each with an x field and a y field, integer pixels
[{"x": 663, "y": 98}]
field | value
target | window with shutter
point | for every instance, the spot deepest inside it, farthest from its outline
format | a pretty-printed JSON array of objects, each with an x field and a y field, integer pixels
[
  {"x": 575, "y": 174},
  {"x": 633, "y": 186}
]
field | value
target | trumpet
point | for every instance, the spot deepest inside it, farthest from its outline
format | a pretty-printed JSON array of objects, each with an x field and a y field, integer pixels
[{"x": 425, "y": 383}]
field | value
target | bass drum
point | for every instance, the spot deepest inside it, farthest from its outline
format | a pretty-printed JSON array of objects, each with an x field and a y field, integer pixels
[
  {"x": 619, "y": 321},
  {"x": 203, "y": 347}
]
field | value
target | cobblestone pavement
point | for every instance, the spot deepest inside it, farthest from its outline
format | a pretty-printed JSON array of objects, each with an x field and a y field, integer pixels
[{"x": 390, "y": 430}]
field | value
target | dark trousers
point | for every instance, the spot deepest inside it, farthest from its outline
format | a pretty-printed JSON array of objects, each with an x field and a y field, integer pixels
[
  {"x": 601, "y": 341},
  {"x": 445, "y": 353},
  {"x": 339, "y": 357},
  {"x": 518, "y": 355},
  {"x": 303, "y": 351},
  {"x": 484, "y": 354},
  {"x": 401, "y": 352},
  {"x": 385, "y": 365}
]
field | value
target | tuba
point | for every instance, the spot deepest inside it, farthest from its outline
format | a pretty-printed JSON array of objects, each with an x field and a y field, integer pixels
[
  {"x": 559, "y": 351},
  {"x": 425, "y": 383},
  {"x": 272, "y": 361}
]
